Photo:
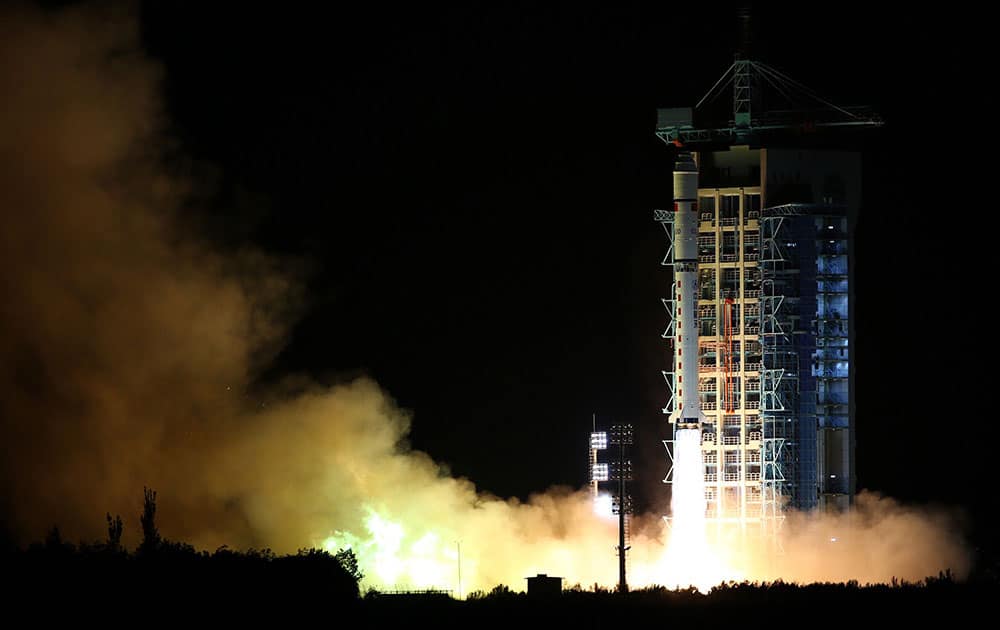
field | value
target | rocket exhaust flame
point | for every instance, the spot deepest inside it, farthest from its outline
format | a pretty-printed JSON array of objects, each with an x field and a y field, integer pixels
[{"x": 690, "y": 559}]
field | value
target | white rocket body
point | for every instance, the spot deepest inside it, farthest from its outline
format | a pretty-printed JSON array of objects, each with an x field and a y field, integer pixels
[{"x": 687, "y": 410}]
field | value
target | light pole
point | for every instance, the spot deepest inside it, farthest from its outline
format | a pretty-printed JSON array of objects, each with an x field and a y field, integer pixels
[{"x": 621, "y": 434}]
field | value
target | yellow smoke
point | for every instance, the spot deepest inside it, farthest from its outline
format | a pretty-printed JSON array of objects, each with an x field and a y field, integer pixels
[{"x": 127, "y": 346}]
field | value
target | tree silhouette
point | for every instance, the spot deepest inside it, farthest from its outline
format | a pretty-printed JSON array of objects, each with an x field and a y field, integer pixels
[
  {"x": 243, "y": 584},
  {"x": 114, "y": 532},
  {"x": 349, "y": 562},
  {"x": 150, "y": 535}
]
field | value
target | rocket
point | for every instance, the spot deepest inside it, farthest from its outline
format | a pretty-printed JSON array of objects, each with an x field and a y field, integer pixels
[{"x": 687, "y": 410}]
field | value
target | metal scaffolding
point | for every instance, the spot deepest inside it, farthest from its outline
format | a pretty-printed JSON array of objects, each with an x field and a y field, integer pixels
[
  {"x": 729, "y": 355},
  {"x": 666, "y": 219},
  {"x": 772, "y": 356},
  {"x": 779, "y": 370},
  {"x": 773, "y": 370}
]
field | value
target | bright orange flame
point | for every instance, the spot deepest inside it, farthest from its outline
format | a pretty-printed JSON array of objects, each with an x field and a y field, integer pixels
[{"x": 689, "y": 559}]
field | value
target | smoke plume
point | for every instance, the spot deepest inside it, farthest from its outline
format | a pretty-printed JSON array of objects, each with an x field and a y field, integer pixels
[{"x": 127, "y": 349}]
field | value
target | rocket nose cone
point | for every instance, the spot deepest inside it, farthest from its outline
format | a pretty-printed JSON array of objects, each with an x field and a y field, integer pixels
[{"x": 685, "y": 163}]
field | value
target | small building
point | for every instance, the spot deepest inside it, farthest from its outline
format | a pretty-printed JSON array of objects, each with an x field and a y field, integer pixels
[{"x": 544, "y": 585}]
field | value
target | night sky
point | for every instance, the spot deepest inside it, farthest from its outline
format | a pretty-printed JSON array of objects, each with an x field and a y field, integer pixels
[{"x": 467, "y": 193}]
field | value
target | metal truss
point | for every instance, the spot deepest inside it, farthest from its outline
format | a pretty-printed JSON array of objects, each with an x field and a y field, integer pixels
[
  {"x": 669, "y": 445},
  {"x": 778, "y": 374},
  {"x": 666, "y": 219}
]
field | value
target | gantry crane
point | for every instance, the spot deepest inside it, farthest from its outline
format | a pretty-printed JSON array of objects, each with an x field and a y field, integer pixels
[{"x": 807, "y": 111}]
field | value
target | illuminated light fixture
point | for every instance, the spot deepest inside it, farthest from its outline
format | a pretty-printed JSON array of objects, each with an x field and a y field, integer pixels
[
  {"x": 599, "y": 472},
  {"x": 599, "y": 440}
]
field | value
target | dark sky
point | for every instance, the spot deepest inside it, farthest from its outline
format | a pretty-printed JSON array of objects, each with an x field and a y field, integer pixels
[{"x": 470, "y": 192}]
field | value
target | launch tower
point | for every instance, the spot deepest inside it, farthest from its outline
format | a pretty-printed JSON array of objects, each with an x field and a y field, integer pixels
[{"x": 771, "y": 325}]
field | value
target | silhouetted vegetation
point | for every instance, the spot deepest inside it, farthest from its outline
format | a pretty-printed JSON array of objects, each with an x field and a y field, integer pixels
[
  {"x": 150, "y": 535},
  {"x": 166, "y": 577},
  {"x": 169, "y": 578},
  {"x": 115, "y": 530},
  {"x": 744, "y": 604}
]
